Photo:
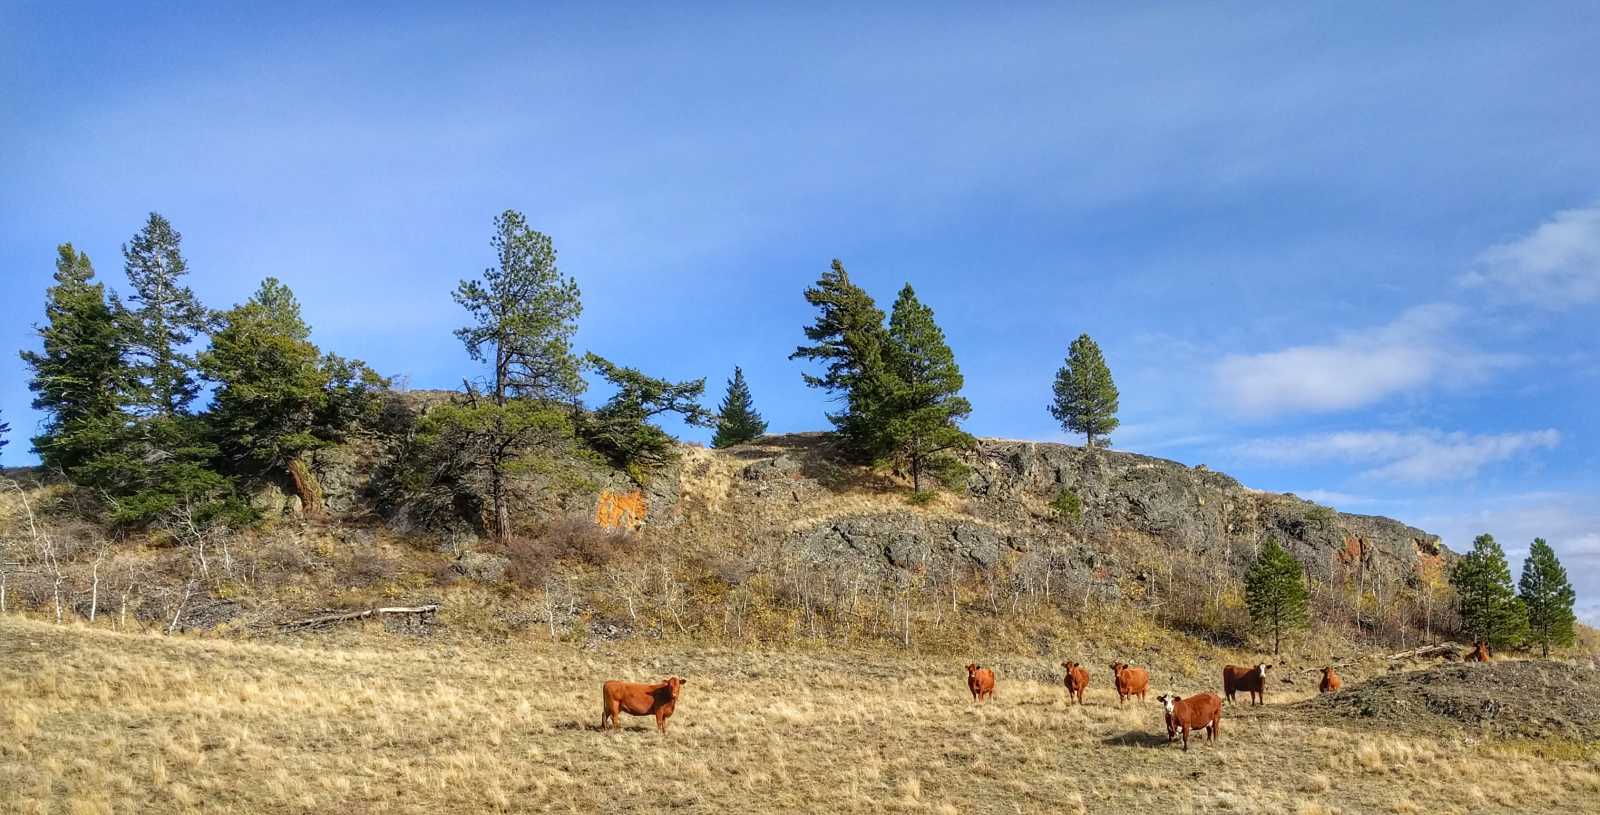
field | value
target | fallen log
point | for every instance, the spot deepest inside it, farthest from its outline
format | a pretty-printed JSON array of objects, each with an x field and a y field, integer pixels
[
  {"x": 330, "y": 619},
  {"x": 1425, "y": 651}
]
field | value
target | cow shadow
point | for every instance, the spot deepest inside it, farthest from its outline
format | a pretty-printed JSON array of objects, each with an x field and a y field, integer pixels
[
  {"x": 584, "y": 727},
  {"x": 1136, "y": 738}
]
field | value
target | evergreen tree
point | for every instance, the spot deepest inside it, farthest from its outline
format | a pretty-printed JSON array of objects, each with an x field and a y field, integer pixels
[
  {"x": 271, "y": 405},
  {"x": 524, "y": 315},
  {"x": 851, "y": 341},
  {"x": 1275, "y": 593},
  {"x": 80, "y": 373},
  {"x": 926, "y": 403},
  {"x": 1490, "y": 610},
  {"x": 167, "y": 318},
  {"x": 1085, "y": 397},
  {"x": 5, "y": 427},
  {"x": 1548, "y": 598},
  {"x": 621, "y": 429},
  {"x": 737, "y": 419}
]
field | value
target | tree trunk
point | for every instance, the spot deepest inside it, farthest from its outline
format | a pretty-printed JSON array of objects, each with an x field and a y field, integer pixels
[
  {"x": 502, "y": 512},
  {"x": 916, "y": 473},
  {"x": 307, "y": 487}
]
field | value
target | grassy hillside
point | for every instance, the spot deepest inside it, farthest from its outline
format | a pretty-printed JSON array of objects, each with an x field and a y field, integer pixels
[{"x": 95, "y": 721}]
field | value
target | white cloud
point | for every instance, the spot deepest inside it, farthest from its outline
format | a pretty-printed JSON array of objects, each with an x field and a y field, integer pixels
[
  {"x": 1557, "y": 266},
  {"x": 1415, "y": 351},
  {"x": 1414, "y": 456}
]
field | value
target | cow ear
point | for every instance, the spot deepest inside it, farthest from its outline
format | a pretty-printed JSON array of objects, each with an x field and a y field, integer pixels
[{"x": 682, "y": 681}]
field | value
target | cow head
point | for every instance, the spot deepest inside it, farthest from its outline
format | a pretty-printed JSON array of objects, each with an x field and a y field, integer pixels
[
  {"x": 1262, "y": 668},
  {"x": 972, "y": 668},
  {"x": 676, "y": 685},
  {"x": 1167, "y": 700},
  {"x": 1327, "y": 671}
]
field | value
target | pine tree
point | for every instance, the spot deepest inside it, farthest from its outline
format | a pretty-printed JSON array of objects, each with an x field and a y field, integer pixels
[
  {"x": 1548, "y": 598},
  {"x": 851, "y": 341},
  {"x": 80, "y": 373},
  {"x": 926, "y": 402},
  {"x": 1490, "y": 610},
  {"x": 1275, "y": 593},
  {"x": 167, "y": 319},
  {"x": 525, "y": 313},
  {"x": 271, "y": 405},
  {"x": 1085, "y": 397},
  {"x": 737, "y": 419},
  {"x": 621, "y": 429}
]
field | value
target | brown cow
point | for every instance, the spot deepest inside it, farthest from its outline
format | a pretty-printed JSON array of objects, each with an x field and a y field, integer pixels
[
  {"x": 1193, "y": 713},
  {"x": 1076, "y": 679},
  {"x": 980, "y": 681},
  {"x": 1237, "y": 678},
  {"x": 1479, "y": 652},
  {"x": 640, "y": 699},
  {"x": 1129, "y": 681},
  {"x": 1330, "y": 680}
]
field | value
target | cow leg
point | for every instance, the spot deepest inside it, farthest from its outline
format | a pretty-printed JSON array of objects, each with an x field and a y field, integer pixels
[
  {"x": 661, "y": 722},
  {"x": 1186, "y": 737}
]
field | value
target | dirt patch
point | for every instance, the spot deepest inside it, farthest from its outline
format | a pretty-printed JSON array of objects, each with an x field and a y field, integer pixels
[{"x": 1521, "y": 699}]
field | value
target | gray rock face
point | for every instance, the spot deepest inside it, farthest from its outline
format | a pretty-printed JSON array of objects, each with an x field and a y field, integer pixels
[{"x": 1133, "y": 508}]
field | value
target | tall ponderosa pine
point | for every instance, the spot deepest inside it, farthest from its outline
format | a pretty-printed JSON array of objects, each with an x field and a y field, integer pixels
[
  {"x": 926, "y": 402},
  {"x": 1547, "y": 596},
  {"x": 737, "y": 419},
  {"x": 1085, "y": 397},
  {"x": 524, "y": 315},
  {"x": 851, "y": 342},
  {"x": 275, "y": 392},
  {"x": 1275, "y": 593},
  {"x": 166, "y": 319},
  {"x": 80, "y": 373},
  {"x": 1490, "y": 610}
]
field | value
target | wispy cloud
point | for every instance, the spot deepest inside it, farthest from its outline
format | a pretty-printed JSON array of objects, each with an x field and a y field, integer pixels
[
  {"x": 1556, "y": 266},
  {"x": 1415, "y": 456},
  {"x": 1415, "y": 351}
]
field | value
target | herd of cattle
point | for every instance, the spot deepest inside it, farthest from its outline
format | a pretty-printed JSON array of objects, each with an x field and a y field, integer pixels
[{"x": 1183, "y": 714}]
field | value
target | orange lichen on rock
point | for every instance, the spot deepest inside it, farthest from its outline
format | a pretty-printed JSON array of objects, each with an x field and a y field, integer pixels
[{"x": 620, "y": 510}]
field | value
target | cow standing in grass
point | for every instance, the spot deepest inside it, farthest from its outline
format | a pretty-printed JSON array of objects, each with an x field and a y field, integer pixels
[
  {"x": 1129, "y": 682},
  {"x": 1479, "y": 652},
  {"x": 1237, "y": 678},
  {"x": 1193, "y": 713},
  {"x": 640, "y": 699},
  {"x": 980, "y": 681},
  {"x": 1076, "y": 679},
  {"x": 1330, "y": 681}
]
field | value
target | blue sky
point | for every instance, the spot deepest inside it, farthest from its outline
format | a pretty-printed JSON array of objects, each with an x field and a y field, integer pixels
[{"x": 1349, "y": 252}]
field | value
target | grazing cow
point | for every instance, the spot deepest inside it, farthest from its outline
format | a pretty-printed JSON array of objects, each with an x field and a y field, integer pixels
[
  {"x": 1076, "y": 680},
  {"x": 1237, "y": 678},
  {"x": 1129, "y": 681},
  {"x": 1330, "y": 680},
  {"x": 980, "y": 681},
  {"x": 1479, "y": 652},
  {"x": 640, "y": 699},
  {"x": 1193, "y": 713}
]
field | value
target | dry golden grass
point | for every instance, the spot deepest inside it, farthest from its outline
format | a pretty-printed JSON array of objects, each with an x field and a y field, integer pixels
[{"x": 93, "y": 721}]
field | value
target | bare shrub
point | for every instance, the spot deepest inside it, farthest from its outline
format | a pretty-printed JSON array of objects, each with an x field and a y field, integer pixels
[
  {"x": 366, "y": 567},
  {"x": 567, "y": 541}
]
